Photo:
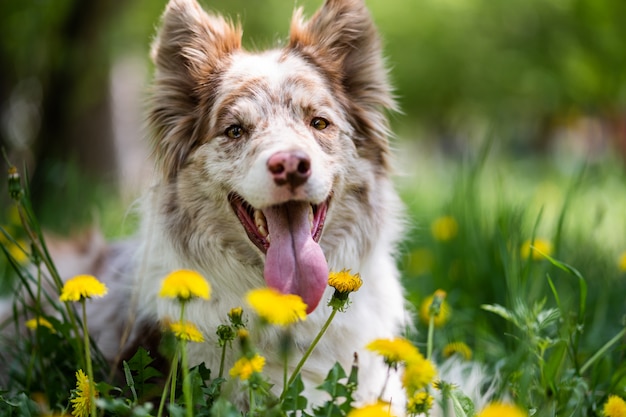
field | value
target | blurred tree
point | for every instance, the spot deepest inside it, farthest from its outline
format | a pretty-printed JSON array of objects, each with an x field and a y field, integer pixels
[
  {"x": 518, "y": 65},
  {"x": 523, "y": 67},
  {"x": 54, "y": 92}
]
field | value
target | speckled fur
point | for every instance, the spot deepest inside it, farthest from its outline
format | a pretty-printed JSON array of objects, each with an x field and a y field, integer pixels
[{"x": 331, "y": 67}]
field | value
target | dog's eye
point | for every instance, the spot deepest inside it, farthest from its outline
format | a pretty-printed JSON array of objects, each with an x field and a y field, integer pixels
[
  {"x": 234, "y": 131},
  {"x": 319, "y": 123}
]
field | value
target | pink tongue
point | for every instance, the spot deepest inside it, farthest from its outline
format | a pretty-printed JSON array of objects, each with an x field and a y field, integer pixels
[{"x": 294, "y": 263}]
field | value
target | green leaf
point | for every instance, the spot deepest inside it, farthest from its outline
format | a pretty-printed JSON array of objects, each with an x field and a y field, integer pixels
[
  {"x": 553, "y": 367},
  {"x": 130, "y": 381},
  {"x": 463, "y": 405},
  {"x": 331, "y": 383},
  {"x": 224, "y": 408},
  {"x": 293, "y": 400},
  {"x": 213, "y": 390},
  {"x": 140, "y": 372},
  {"x": 500, "y": 311},
  {"x": 340, "y": 393},
  {"x": 581, "y": 282},
  {"x": 20, "y": 405}
]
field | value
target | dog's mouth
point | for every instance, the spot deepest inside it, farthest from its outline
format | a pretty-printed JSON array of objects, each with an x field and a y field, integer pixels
[{"x": 288, "y": 234}]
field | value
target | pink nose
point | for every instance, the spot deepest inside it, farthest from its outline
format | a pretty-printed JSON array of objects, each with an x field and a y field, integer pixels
[{"x": 292, "y": 168}]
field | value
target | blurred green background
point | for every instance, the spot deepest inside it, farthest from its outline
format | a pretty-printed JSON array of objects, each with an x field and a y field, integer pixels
[
  {"x": 540, "y": 75},
  {"x": 542, "y": 81}
]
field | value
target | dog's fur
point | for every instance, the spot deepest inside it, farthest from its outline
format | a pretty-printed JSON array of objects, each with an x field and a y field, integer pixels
[
  {"x": 277, "y": 131},
  {"x": 205, "y": 83}
]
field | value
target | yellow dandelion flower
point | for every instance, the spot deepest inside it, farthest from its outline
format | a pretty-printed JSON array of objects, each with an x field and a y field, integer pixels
[
  {"x": 245, "y": 367},
  {"x": 419, "y": 403},
  {"x": 81, "y": 399},
  {"x": 379, "y": 409},
  {"x": 444, "y": 311},
  {"x": 17, "y": 250},
  {"x": 81, "y": 287},
  {"x": 235, "y": 315},
  {"x": 621, "y": 263},
  {"x": 418, "y": 373},
  {"x": 275, "y": 307},
  {"x": 184, "y": 285},
  {"x": 343, "y": 281},
  {"x": 444, "y": 228},
  {"x": 615, "y": 407},
  {"x": 186, "y": 331},
  {"x": 535, "y": 249},
  {"x": 39, "y": 322},
  {"x": 394, "y": 351},
  {"x": 459, "y": 348},
  {"x": 502, "y": 410}
]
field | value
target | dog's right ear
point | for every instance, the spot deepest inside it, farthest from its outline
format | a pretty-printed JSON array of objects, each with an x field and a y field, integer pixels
[
  {"x": 342, "y": 40},
  {"x": 189, "y": 50}
]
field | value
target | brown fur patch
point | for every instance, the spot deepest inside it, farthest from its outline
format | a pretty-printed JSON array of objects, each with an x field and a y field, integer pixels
[
  {"x": 342, "y": 41},
  {"x": 190, "y": 50}
]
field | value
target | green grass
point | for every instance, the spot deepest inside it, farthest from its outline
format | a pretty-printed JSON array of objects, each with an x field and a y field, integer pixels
[
  {"x": 550, "y": 328},
  {"x": 553, "y": 316}
]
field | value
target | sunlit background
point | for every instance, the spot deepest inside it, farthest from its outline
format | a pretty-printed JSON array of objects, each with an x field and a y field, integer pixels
[{"x": 539, "y": 77}]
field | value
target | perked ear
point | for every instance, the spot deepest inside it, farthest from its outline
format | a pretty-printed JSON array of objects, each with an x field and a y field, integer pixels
[
  {"x": 190, "y": 48},
  {"x": 342, "y": 40}
]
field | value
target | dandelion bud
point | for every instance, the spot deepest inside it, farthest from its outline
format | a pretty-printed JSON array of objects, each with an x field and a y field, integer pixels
[
  {"x": 225, "y": 334},
  {"x": 235, "y": 315},
  {"x": 15, "y": 184},
  {"x": 435, "y": 306}
]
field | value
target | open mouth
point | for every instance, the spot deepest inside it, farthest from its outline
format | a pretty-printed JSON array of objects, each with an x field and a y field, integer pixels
[
  {"x": 255, "y": 223},
  {"x": 288, "y": 234}
]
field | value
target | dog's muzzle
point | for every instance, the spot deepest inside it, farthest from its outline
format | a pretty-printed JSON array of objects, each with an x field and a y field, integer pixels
[{"x": 288, "y": 234}]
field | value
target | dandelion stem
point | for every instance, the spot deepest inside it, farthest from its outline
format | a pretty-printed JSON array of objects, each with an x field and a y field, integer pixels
[
  {"x": 174, "y": 373},
  {"x": 285, "y": 372},
  {"x": 186, "y": 381},
  {"x": 431, "y": 333},
  {"x": 251, "y": 400},
  {"x": 38, "y": 316},
  {"x": 458, "y": 408},
  {"x": 308, "y": 352},
  {"x": 602, "y": 351},
  {"x": 185, "y": 366},
  {"x": 163, "y": 394},
  {"x": 92, "y": 401},
  {"x": 222, "y": 360}
]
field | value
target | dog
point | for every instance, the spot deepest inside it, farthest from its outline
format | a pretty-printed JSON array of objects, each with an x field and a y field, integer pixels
[{"x": 272, "y": 168}]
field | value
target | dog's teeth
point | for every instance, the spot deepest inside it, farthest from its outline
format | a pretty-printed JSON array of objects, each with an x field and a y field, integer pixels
[
  {"x": 311, "y": 217},
  {"x": 268, "y": 239},
  {"x": 259, "y": 218},
  {"x": 260, "y": 222}
]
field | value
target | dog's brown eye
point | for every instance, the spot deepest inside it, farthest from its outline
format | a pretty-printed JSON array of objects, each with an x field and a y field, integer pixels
[
  {"x": 319, "y": 123},
  {"x": 234, "y": 132}
]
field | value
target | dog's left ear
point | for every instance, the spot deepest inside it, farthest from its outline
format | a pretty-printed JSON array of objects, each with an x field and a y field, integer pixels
[
  {"x": 342, "y": 40},
  {"x": 190, "y": 47}
]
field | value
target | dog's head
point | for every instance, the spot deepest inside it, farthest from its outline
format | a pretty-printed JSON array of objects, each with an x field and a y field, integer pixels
[{"x": 275, "y": 136}]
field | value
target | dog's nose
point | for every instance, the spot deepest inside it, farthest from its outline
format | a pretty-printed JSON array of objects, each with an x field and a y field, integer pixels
[{"x": 292, "y": 168}]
